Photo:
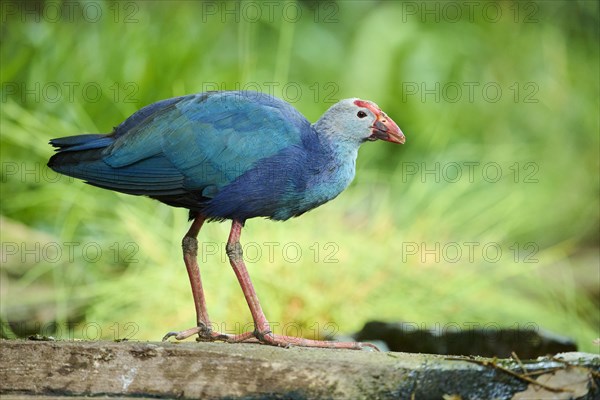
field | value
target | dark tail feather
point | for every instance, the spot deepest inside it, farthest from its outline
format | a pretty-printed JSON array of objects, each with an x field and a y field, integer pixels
[
  {"x": 82, "y": 157},
  {"x": 75, "y": 151},
  {"x": 82, "y": 142}
]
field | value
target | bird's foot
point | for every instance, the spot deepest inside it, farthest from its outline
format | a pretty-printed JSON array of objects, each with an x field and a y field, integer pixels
[
  {"x": 205, "y": 334},
  {"x": 290, "y": 341}
]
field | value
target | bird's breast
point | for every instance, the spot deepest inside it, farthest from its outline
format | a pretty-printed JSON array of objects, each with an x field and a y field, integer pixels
[{"x": 330, "y": 180}]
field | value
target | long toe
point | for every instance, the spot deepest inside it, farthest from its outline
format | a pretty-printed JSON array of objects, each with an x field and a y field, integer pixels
[
  {"x": 181, "y": 335},
  {"x": 289, "y": 341}
]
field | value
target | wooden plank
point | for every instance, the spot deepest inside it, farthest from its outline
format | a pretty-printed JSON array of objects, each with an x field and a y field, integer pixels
[{"x": 220, "y": 370}]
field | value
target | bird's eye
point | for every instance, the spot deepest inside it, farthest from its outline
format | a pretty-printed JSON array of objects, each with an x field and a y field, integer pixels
[{"x": 361, "y": 114}]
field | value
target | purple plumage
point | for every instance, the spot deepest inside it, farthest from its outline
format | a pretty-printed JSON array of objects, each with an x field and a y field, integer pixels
[{"x": 229, "y": 155}]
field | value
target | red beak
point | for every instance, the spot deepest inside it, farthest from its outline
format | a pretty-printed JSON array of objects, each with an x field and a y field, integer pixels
[{"x": 386, "y": 129}]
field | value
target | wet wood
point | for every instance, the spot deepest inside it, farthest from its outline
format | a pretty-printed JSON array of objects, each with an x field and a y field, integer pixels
[{"x": 252, "y": 371}]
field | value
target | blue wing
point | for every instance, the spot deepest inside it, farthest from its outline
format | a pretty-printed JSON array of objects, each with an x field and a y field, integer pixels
[{"x": 186, "y": 150}]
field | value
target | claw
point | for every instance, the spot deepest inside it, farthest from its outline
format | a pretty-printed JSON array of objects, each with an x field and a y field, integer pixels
[
  {"x": 369, "y": 345},
  {"x": 168, "y": 335},
  {"x": 181, "y": 335}
]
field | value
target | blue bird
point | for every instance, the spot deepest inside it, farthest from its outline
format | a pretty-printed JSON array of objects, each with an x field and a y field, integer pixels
[{"x": 229, "y": 155}]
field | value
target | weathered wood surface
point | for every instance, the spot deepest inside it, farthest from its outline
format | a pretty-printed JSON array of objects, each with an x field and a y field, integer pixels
[{"x": 251, "y": 371}]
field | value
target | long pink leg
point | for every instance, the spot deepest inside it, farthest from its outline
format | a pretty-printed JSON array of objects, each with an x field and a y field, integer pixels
[
  {"x": 203, "y": 327},
  {"x": 261, "y": 325}
]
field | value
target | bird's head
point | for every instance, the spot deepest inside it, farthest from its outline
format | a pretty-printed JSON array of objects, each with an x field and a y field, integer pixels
[{"x": 360, "y": 121}]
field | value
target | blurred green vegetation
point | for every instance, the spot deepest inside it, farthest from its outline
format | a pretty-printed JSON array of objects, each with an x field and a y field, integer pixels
[{"x": 369, "y": 254}]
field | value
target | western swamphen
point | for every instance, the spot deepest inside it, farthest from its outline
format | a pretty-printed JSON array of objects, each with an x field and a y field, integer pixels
[{"x": 229, "y": 155}]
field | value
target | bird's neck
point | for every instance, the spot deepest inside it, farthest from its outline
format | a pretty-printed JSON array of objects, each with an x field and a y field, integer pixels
[
  {"x": 334, "y": 164},
  {"x": 342, "y": 147}
]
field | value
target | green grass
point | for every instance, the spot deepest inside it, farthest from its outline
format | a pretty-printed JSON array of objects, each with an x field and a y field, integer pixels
[{"x": 364, "y": 267}]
